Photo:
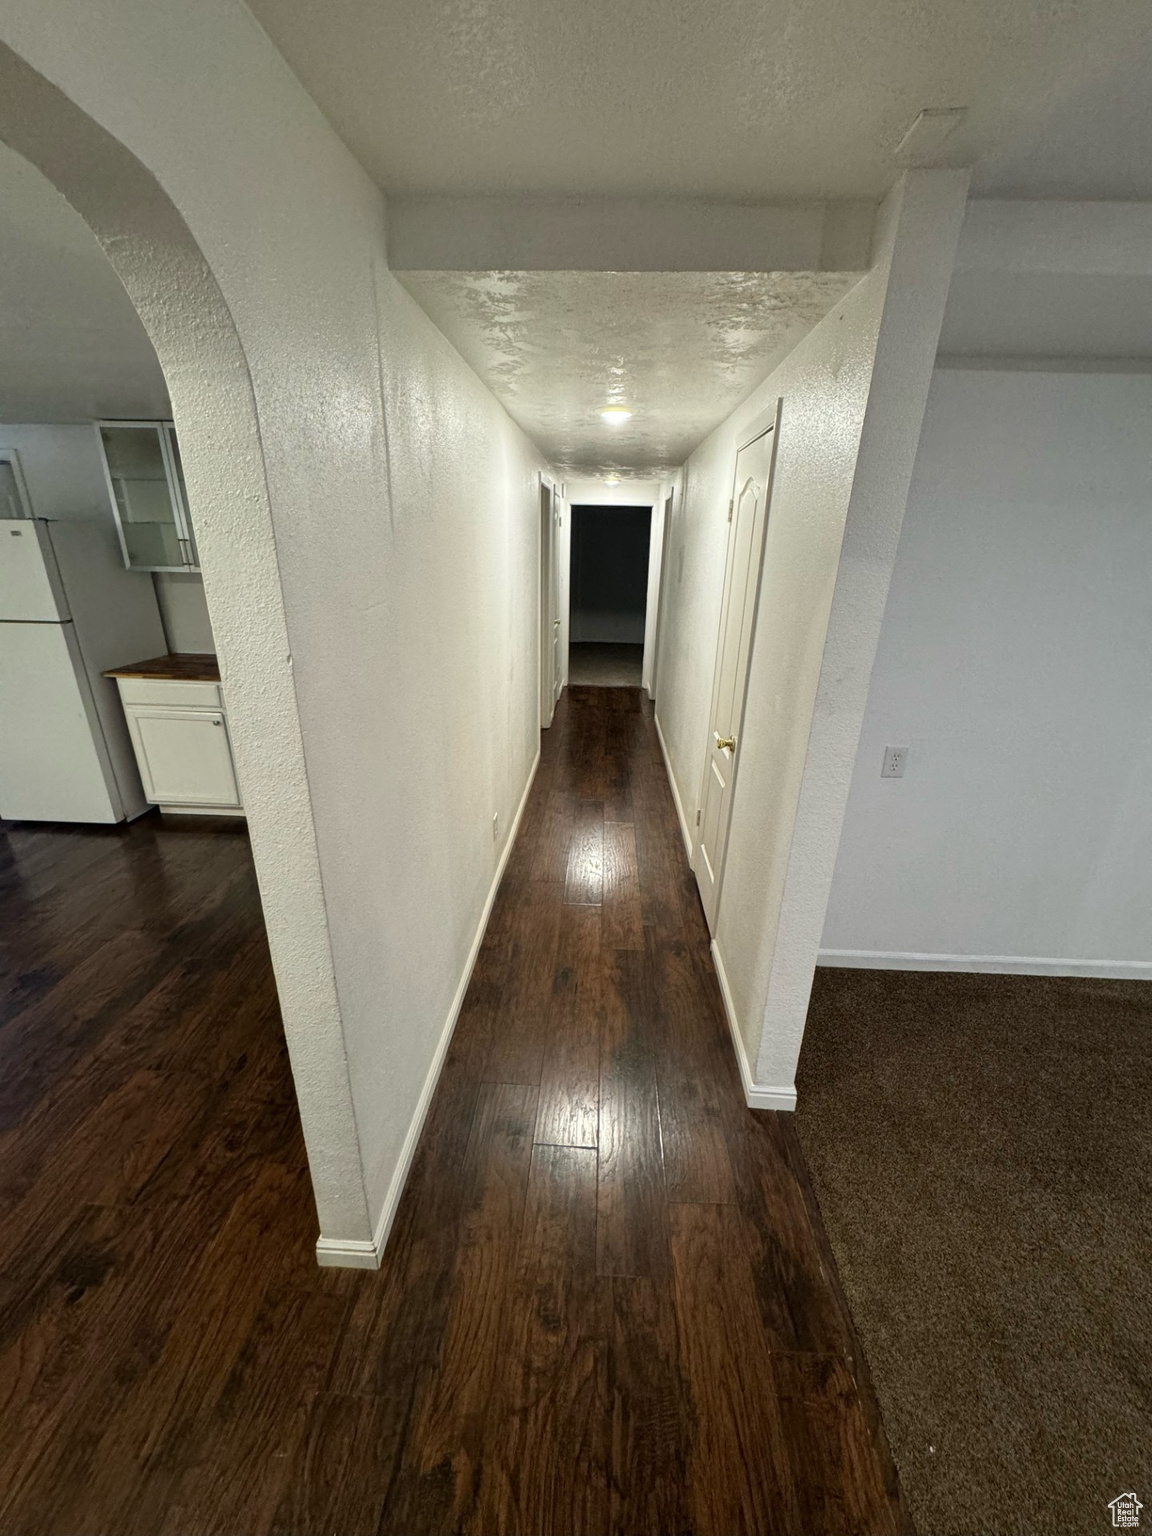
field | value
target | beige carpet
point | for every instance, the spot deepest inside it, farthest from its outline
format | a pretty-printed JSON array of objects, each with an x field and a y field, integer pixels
[
  {"x": 603, "y": 665},
  {"x": 980, "y": 1147}
]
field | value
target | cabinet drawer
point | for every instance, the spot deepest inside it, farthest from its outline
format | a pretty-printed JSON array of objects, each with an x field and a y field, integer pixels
[{"x": 170, "y": 692}]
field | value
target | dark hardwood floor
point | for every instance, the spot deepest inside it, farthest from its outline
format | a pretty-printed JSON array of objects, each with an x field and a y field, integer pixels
[{"x": 607, "y": 1304}]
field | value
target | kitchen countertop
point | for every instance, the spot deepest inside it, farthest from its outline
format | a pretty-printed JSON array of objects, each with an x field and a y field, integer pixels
[{"x": 185, "y": 668}]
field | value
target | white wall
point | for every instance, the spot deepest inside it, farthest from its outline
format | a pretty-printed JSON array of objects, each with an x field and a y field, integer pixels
[
  {"x": 392, "y": 602},
  {"x": 652, "y": 607},
  {"x": 65, "y": 479},
  {"x": 1014, "y": 661},
  {"x": 853, "y": 393},
  {"x": 184, "y": 612},
  {"x": 61, "y": 467},
  {"x": 627, "y": 234}
]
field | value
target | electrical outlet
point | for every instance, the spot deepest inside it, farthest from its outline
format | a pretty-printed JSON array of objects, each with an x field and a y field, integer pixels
[
  {"x": 495, "y": 826},
  {"x": 895, "y": 759}
]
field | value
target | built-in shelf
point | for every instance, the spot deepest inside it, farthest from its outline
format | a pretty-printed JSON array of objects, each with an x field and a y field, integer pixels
[{"x": 146, "y": 488}]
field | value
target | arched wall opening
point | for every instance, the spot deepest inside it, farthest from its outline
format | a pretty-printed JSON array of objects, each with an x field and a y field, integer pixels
[{"x": 166, "y": 275}]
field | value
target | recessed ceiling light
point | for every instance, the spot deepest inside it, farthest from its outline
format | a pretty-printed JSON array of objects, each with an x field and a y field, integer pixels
[{"x": 615, "y": 415}]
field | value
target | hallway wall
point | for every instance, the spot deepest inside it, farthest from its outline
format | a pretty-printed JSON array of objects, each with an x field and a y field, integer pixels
[
  {"x": 824, "y": 383},
  {"x": 853, "y": 393},
  {"x": 1013, "y": 661},
  {"x": 404, "y": 508}
]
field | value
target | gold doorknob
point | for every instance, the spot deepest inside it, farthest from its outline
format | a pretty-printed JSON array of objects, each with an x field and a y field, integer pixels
[{"x": 725, "y": 743}]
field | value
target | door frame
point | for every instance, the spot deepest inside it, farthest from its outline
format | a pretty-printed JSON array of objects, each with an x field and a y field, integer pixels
[
  {"x": 667, "y": 508},
  {"x": 549, "y": 601},
  {"x": 767, "y": 421}
]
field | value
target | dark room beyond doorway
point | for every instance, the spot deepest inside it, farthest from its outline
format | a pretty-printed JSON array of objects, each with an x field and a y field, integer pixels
[{"x": 609, "y": 594}]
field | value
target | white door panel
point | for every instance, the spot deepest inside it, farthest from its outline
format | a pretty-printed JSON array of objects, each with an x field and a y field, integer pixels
[
  {"x": 50, "y": 763},
  {"x": 733, "y": 649},
  {"x": 184, "y": 756}
]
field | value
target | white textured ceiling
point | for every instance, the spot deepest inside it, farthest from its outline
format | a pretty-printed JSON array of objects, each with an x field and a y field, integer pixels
[
  {"x": 71, "y": 343},
  {"x": 766, "y": 99},
  {"x": 679, "y": 349},
  {"x": 1091, "y": 141}
]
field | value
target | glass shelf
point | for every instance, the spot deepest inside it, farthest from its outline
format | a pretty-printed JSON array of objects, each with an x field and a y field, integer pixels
[{"x": 146, "y": 486}]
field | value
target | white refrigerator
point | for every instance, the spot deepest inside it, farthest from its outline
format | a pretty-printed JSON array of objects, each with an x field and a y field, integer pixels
[{"x": 68, "y": 610}]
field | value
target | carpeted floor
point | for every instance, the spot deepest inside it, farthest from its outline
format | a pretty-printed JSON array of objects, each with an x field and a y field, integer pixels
[
  {"x": 981, "y": 1147},
  {"x": 604, "y": 665}
]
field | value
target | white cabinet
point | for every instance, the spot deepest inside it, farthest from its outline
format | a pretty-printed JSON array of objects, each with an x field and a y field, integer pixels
[
  {"x": 184, "y": 756},
  {"x": 179, "y": 731},
  {"x": 146, "y": 486}
]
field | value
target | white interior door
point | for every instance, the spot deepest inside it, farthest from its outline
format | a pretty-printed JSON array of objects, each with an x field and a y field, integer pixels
[
  {"x": 748, "y": 520},
  {"x": 549, "y": 607},
  {"x": 184, "y": 756}
]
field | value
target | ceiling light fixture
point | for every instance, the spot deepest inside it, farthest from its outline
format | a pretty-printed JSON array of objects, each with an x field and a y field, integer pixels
[{"x": 615, "y": 415}]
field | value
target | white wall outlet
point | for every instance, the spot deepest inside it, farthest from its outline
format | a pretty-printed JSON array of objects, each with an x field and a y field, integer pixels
[
  {"x": 495, "y": 826},
  {"x": 895, "y": 759}
]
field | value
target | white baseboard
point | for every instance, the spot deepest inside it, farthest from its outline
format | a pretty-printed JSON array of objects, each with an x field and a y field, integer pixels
[
  {"x": 357, "y": 1253},
  {"x": 685, "y": 830},
  {"x": 757, "y": 1095},
  {"x": 995, "y": 965},
  {"x": 348, "y": 1253}
]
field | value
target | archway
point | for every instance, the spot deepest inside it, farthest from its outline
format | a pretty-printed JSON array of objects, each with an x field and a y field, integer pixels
[{"x": 165, "y": 273}]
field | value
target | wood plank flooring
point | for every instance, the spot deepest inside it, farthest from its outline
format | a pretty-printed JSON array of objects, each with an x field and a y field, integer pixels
[{"x": 607, "y": 1304}]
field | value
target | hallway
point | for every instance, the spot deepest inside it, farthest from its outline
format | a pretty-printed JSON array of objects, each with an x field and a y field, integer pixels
[{"x": 607, "y": 1303}]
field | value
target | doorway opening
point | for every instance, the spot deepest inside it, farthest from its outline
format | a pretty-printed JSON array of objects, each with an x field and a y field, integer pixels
[
  {"x": 609, "y": 595},
  {"x": 124, "y": 850}
]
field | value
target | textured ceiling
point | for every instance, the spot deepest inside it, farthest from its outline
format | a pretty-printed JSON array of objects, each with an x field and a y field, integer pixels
[
  {"x": 679, "y": 349},
  {"x": 1094, "y": 141},
  {"x": 763, "y": 99},
  {"x": 71, "y": 343}
]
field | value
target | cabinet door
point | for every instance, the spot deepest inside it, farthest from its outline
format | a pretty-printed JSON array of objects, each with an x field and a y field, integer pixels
[
  {"x": 180, "y": 495},
  {"x": 184, "y": 755},
  {"x": 142, "y": 466}
]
